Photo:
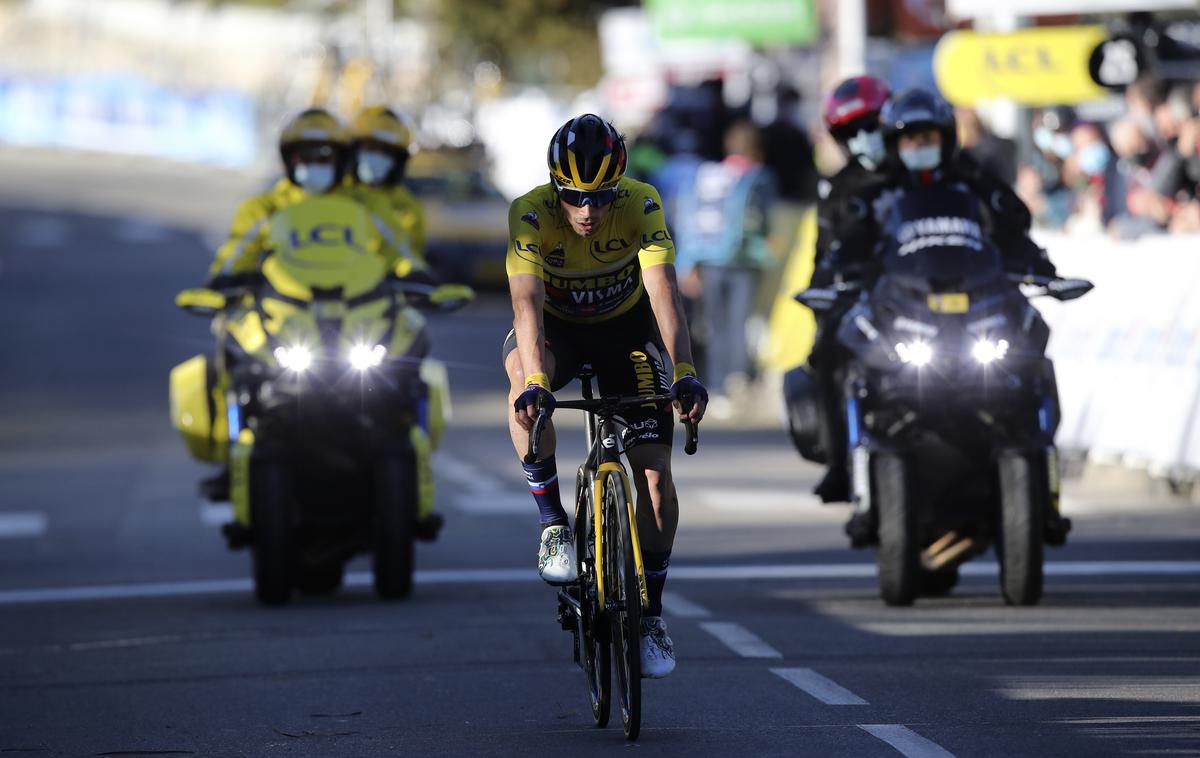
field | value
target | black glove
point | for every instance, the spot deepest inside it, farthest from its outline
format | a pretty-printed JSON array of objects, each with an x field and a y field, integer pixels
[
  {"x": 531, "y": 397},
  {"x": 689, "y": 386}
]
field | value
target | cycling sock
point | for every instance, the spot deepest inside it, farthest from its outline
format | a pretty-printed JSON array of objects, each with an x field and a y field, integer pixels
[
  {"x": 543, "y": 483},
  {"x": 655, "y": 563}
]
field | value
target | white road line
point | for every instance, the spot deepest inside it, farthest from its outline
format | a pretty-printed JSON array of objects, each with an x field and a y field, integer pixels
[
  {"x": 678, "y": 605},
  {"x": 467, "y": 477},
  {"x": 505, "y": 575},
  {"x": 740, "y": 640},
  {"x": 19, "y": 525},
  {"x": 490, "y": 503},
  {"x": 742, "y": 499},
  {"x": 822, "y": 688},
  {"x": 906, "y": 741},
  {"x": 478, "y": 492}
]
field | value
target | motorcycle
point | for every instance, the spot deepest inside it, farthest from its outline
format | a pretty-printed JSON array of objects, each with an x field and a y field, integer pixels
[
  {"x": 950, "y": 402},
  {"x": 321, "y": 399}
]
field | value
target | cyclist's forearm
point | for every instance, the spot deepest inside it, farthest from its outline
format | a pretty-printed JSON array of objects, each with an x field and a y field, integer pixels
[
  {"x": 667, "y": 305},
  {"x": 530, "y": 329}
]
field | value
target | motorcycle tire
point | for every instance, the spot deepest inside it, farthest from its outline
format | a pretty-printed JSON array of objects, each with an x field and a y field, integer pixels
[
  {"x": 272, "y": 550},
  {"x": 1024, "y": 497},
  {"x": 898, "y": 553},
  {"x": 393, "y": 527}
]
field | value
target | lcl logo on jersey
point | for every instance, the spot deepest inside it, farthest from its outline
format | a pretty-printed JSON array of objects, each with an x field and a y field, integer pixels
[
  {"x": 657, "y": 237},
  {"x": 610, "y": 246}
]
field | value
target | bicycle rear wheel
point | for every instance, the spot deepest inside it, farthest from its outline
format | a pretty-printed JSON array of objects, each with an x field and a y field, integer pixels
[
  {"x": 595, "y": 653},
  {"x": 624, "y": 604}
]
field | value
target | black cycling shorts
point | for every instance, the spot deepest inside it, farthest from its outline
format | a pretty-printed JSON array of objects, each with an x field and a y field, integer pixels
[{"x": 627, "y": 357}]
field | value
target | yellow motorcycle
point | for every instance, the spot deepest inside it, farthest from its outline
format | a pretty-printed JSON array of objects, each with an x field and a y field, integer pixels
[{"x": 321, "y": 399}]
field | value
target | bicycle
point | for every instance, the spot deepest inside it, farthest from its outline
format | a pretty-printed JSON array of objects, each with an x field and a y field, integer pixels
[{"x": 597, "y": 607}]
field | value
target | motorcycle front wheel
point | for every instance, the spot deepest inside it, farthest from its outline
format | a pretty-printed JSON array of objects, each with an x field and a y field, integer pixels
[
  {"x": 271, "y": 524},
  {"x": 393, "y": 525}
]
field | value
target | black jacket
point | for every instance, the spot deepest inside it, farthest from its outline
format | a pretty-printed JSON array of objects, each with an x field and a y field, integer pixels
[{"x": 854, "y": 236}]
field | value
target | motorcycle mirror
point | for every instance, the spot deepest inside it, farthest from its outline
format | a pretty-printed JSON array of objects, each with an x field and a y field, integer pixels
[
  {"x": 201, "y": 301},
  {"x": 1068, "y": 289},
  {"x": 817, "y": 298}
]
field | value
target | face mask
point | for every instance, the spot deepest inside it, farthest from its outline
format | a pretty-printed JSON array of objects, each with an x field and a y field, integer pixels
[
  {"x": 868, "y": 148},
  {"x": 1093, "y": 159},
  {"x": 374, "y": 166},
  {"x": 315, "y": 178},
  {"x": 922, "y": 158},
  {"x": 1051, "y": 142}
]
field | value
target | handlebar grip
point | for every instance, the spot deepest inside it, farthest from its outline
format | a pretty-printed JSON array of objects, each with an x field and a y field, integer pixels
[
  {"x": 693, "y": 438},
  {"x": 693, "y": 434},
  {"x": 535, "y": 434}
]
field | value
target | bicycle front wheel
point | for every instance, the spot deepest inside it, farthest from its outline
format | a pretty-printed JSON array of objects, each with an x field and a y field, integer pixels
[
  {"x": 594, "y": 652},
  {"x": 624, "y": 604}
]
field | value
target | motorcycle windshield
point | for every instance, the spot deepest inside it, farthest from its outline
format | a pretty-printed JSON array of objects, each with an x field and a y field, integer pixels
[
  {"x": 935, "y": 243},
  {"x": 323, "y": 245}
]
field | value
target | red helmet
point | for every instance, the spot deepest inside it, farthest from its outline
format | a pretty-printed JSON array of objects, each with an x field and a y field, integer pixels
[{"x": 852, "y": 102}]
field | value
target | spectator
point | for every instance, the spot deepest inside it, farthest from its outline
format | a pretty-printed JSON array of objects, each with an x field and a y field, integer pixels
[
  {"x": 996, "y": 155},
  {"x": 789, "y": 152},
  {"x": 1040, "y": 184},
  {"x": 722, "y": 247}
]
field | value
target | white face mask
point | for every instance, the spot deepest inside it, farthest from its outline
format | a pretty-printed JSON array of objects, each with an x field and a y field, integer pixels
[
  {"x": 922, "y": 158},
  {"x": 868, "y": 148},
  {"x": 374, "y": 166},
  {"x": 315, "y": 178}
]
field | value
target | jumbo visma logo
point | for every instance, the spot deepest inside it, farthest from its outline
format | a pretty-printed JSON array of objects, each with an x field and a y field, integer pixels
[{"x": 643, "y": 368}]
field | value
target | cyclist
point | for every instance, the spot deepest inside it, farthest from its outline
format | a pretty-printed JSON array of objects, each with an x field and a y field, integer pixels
[
  {"x": 592, "y": 278},
  {"x": 382, "y": 143}
]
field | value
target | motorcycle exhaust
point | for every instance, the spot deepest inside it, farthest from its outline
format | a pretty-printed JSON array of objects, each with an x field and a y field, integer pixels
[{"x": 949, "y": 549}]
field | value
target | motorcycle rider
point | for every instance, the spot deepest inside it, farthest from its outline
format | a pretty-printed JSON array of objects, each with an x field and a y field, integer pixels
[
  {"x": 851, "y": 114},
  {"x": 314, "y": 148},
  {"x": 382, "y": 143},
  {"x": 920, "y": 140}
]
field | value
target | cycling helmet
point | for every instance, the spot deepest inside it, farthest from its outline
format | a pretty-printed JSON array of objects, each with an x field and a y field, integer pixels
[
  {"x": 854, "y": 105},
  {"x": 914, "y": 110},
  {"x": 383, "y": 142},
  {"x": 315, "y": 132},
  {"x": 587, "y": 159}
]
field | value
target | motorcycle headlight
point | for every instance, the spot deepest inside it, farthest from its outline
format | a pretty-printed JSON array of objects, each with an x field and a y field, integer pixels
[
  {"x": 294, "y": 358},
  {"x": 363, "y": 357},
  {"x": 916, "y": 353},
  {"x": 986, "y": 351}
]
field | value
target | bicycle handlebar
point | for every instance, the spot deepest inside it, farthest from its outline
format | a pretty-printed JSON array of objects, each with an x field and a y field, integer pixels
[{"x": 608, "y": 406}]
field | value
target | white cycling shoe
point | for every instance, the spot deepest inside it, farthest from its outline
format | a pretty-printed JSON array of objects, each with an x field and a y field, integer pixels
[
  {"x": 658, "y": 652},
  {"x": 556, "y": 555}
]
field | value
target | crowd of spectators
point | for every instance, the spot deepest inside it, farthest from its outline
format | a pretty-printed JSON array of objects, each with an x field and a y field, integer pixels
[{"x": 1134, "y": 175}]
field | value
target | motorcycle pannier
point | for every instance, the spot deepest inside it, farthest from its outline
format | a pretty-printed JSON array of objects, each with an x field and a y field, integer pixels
[{"x": 198, "y": 410}]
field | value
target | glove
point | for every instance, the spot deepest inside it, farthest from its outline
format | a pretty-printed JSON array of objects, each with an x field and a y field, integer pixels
[
  {"x": 688, "y": 386},
  {"x": 533, "y": 394}
]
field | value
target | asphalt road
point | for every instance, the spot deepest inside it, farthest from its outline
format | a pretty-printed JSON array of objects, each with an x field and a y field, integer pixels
[{"x": 127, "y": 628}]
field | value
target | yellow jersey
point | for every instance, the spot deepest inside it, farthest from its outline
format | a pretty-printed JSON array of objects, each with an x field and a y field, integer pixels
[{"x": 594, "y": 278}]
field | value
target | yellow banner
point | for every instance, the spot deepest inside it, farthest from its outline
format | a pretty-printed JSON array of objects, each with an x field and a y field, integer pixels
[{"x": 1034, "y": 67}]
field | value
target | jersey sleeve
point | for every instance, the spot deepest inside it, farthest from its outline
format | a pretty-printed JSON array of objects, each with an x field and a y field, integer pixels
[
  {"x": 524, "y": 240},
  {"x": 657, "y": 245},
  {"x": 240, "y": 251}
]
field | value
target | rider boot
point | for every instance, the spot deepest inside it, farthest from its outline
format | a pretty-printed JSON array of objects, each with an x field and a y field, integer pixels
[{"x": 835, "y": 486}]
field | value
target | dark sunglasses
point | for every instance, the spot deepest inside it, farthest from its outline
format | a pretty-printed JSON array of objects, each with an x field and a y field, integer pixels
[{"x": 580, "y": 198}]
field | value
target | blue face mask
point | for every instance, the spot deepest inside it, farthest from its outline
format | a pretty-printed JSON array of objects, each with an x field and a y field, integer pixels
[
  {"x": 1052, "y": 142},
  {"x": 1093, "y": 159},
  {"x": 374, "y": 166},
  {"x": 922, "y": 158}
]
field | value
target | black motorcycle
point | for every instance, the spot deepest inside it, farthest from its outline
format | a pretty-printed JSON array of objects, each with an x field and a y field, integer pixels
[{"x": 950, "y": 401}]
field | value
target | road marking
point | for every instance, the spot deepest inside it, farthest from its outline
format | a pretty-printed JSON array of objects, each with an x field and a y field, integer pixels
[
  {"x": 906, "y": 741},
  {"x": 216, "y": 514},
  {"x": 743, "y": 499},
  {"x": 740, "y": 640},
  {"x": 678, "y": 605},
  {"x": 478, "y": 492},
  {"x": 18, "y": 525},
  {"x": 517, "y": 575},
  {"x": 822, "y": 688}
]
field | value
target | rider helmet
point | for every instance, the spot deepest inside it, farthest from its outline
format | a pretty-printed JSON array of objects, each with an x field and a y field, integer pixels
[
  {"x": 915, "y": 110},
  {"x": 587, "y": 159},
  {"x": 851, "y": 113},
  {"x": 313, "y": 146},
  {"x": 382, "y": 142}
]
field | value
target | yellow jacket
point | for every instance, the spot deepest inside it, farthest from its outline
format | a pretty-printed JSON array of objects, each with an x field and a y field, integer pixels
[
  {"x": 405, "y": 216},
  {"x": 243, "y": 251}
]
